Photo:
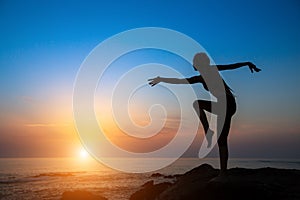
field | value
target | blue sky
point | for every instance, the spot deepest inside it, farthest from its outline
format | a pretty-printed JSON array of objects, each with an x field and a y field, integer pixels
[{"x": 43, "y": 44}]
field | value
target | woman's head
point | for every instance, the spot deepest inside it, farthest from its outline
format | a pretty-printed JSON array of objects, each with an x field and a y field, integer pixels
[{"x": 201, "y": 60}]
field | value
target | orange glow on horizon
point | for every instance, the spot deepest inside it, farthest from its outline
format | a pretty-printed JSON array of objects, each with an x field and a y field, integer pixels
[{"x": 83, "y": 154}]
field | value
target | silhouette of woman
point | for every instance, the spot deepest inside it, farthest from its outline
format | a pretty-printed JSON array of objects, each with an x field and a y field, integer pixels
[{"x": 201, "y": 63}]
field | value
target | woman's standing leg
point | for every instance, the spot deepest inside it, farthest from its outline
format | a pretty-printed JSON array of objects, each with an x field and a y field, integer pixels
[
  {"x": 223, "y": 144},
  {"x": 223, "y": 129}
]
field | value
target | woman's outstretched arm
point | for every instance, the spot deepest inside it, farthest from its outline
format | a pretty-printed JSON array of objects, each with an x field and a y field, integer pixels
[
  {"x": 192, "y": 80},
  {"x": 251, "y": 66}
]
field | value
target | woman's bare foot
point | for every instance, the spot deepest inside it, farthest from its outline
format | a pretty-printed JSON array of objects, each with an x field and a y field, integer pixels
[{"x": 223, "y": 173}]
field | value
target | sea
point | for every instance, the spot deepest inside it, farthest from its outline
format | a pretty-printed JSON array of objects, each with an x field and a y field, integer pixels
[{"x": 49, "y": 178}]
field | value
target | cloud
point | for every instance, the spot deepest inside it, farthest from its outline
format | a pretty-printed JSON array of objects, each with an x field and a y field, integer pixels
[{"x": 47, "y": 125}]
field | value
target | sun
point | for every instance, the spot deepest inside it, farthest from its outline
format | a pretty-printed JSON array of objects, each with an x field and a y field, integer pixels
[{"x": 83, "y": 153}]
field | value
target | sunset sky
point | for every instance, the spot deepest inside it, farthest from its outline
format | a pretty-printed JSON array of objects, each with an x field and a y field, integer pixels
[{"x": 43, "y": 44}]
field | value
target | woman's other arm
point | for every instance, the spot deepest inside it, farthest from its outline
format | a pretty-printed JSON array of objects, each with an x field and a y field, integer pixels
[{"x": 251, "y": 66}]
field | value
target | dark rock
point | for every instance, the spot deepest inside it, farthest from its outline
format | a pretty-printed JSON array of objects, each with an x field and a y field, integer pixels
[
  {"x": 79, "y": 195},
  {"x": 157, "y": 175},
  {"x": 170, "y": 176},
  {"x": 148, "y": 184},
  {"x": 265, "y": 183},
  {"x": 149, "y": 191},
  {"x": 203, "y": 183}
]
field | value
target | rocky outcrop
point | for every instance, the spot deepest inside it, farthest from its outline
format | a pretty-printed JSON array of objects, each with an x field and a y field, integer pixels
[
  {"x": 203, "y": 183},
  {"x": 150, "y": 191}
]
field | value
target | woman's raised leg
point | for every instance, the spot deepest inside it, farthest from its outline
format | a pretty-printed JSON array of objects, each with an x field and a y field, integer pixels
[{"x": 200, "y": 106}]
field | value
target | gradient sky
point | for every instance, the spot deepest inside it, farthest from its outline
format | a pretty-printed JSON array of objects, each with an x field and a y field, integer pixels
[{"x": 43, "y": 44}]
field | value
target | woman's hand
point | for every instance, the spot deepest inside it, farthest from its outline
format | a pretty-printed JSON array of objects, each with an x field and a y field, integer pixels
[
  {"x": 154, "y": 81},
  {"x": 253, "y": 67}
]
